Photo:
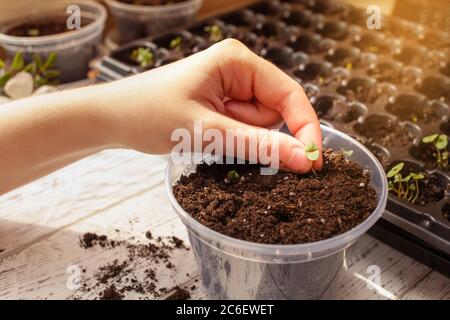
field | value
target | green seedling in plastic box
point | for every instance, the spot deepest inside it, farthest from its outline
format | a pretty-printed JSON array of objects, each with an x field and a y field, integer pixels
[
  {"x": 233, "y": 176},
  {"x": 215, "y": 33},
  {"x": 143, "y": 56},
  {"x": 440, "y": 143},
  {"x": 41, "y": 71},
  {"x": 406, "y": 188},
  {"x": 176, "y": 43}
]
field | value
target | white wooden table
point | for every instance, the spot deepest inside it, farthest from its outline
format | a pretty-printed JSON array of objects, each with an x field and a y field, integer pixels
[{"x": 40, "y": 226}]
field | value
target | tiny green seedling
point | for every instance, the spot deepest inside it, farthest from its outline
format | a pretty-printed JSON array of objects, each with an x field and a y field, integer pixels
[
  {"x": 312, "y": 151},
  {"x": 348, "y": 153},
  {"x": 176, "y": 43},
  {"x": 405, "y": 188},
  {"x": 41, "y": 71},
  {"x": 233, "y": 176},
  {"x": 143, "y": 56},
  {"x": 215, "y": 33},
  {"x": 440, "y": 143}
]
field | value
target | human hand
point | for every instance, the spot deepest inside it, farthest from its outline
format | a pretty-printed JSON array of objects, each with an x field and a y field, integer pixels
[{"x": 227, "y": 87}]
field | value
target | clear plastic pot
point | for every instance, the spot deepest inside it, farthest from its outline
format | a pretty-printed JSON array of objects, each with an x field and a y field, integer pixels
[
  {"x": 237, "y": 269},
  {"x": 138, "y": 21},
  {"x": 74, "y": 49}
]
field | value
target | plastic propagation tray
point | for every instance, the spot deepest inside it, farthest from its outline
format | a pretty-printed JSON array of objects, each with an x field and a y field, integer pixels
[{"x": 388, "y": 88}]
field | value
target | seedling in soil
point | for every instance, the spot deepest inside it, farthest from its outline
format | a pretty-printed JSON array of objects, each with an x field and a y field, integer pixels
[
  {"x": 348, "y": 153},
  {"x": 41, "y": 71},
  {"x": 440, "y": 143},
  {"x": 215, "y": 33},
  {"x": 312, "y": 151},
  {"x": 176, "y": 43},
  {"x": 405, "y": 188},
  {"x": 232, "y": 177},
  {"x": 143, "y": 56}
]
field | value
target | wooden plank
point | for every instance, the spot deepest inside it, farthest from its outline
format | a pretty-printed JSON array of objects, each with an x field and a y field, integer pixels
[
  {"x": 38, "y": 209},
  {"x": 433, "y": 287},
  {"x": 40, "y": 270},
  {"x": 398, "y": 272}
]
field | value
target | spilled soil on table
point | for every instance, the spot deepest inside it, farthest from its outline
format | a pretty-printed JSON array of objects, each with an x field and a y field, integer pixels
[{"x": 117, "y": 279}]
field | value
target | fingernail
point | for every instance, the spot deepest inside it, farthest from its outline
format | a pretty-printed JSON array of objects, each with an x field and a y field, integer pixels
[{"x": 296, "y": 158}]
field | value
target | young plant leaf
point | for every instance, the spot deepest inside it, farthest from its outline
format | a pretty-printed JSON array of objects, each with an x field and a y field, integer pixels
[
  {"x": 143, "y": 56},
  {"x": 176, "y": 43},
  {"x": 417, "y": 176},
  {"x": 18, "y": 62},
  {"x": 395, "y": 170},
  {"x": 312, "y": 151},
  {"x": 348, "y": 153},
  {"x": 4, "y": 79},
  {"x": 50, "y": 61},
  {"x": 215, "y": 33},
  {"x": 441, "y": 142},
  {"x": 233, "y": 176},
  {"x": 430, "y": 138},
  {"x": 2, "y": 64}
]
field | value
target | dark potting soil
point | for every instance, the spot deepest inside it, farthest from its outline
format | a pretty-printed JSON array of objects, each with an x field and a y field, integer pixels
[
  {"x": 179, "y": 294},
  {"x": 285, "y": 208},
  {"x": 89, "y": 239},
  {"x": 43, "y": 27},
  {"x": 385, "y": 131},
  {"x": 116, "y": 279},
  {"x": 111, "y": 293}
]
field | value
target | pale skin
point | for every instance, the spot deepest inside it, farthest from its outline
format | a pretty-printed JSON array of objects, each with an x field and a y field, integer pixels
[{"x": 226, "y": 86}]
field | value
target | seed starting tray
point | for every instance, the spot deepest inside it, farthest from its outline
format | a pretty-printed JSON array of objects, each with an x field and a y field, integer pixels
[{"x": 388, "y": 88}]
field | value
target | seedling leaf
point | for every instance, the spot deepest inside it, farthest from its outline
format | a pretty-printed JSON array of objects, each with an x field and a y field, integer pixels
[
  {"x": 4, "y": 79},
  {"x": 233, "y": 176},
  {"x": 143, "y": 56},
  {"x": 312, "y": 151},
  {"x": 417, "y": 176},
  {"x": 50, "y": 61},
  {"x": 441, "y": 142},
  {"x": 430, "y": 138},
  {"x": 348, "y": 153},
  {"x": 176, "y": 43},
  {"x": 18, "y": 62},
  {"x": 395, "y": 170}
]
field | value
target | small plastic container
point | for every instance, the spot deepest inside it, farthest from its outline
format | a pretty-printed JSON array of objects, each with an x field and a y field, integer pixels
[
  {"x": 138, "y": 21},
  {"x": 237, "y": 269},
  {"x": 74, "y": 49}
]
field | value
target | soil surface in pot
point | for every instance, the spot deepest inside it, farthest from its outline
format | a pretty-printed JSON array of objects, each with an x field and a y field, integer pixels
[
  {"x": 285, "y": 208},
  {"x": 43, "y": 27}
]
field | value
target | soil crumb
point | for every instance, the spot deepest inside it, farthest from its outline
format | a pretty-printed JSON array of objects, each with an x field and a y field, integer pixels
[{"x": 179, "y": 294}]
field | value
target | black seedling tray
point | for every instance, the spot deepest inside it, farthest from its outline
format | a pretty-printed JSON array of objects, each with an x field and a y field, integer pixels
[{"x": 388, "y": 88}]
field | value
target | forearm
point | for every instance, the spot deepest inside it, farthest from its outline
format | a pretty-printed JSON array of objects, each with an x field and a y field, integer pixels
[{"x": 41, "y": 134}]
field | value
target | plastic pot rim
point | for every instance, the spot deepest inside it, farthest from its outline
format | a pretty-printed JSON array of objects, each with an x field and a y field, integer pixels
[
  {"x": 134, "y": 8},
  {"x": 95, "y": 27}
]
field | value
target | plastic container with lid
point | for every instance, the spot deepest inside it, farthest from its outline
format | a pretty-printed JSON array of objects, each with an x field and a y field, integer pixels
[
  {"x": 138, "y": 21},
  {"x": 74, "y": 48},
  {"x": 235, "y": 269}
]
